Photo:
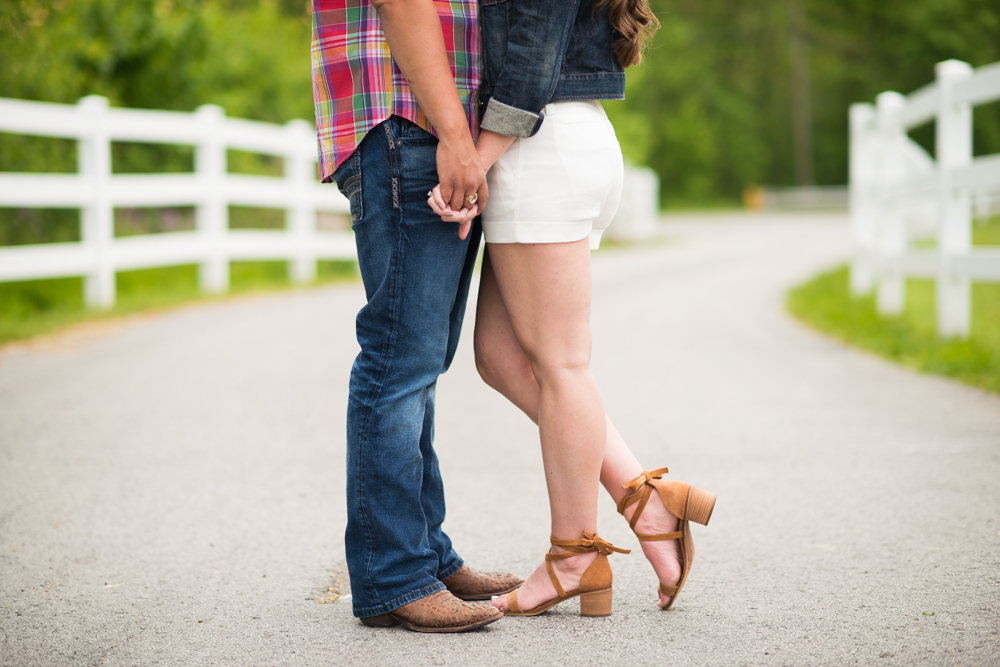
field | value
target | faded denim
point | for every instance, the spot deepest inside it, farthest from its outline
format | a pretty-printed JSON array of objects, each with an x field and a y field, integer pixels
[
  {"x": 416, "y": 273},
  {"x": 535, "y": 53}
]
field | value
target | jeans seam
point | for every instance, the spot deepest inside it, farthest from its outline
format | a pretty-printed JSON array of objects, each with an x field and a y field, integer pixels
[
  {"x": 392, "y": 164},
  {"x": 377, "y": 386}
]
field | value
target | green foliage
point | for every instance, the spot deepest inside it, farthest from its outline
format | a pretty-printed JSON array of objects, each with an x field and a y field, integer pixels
[
  {"x": 710, "y": 108},
  {"x": 21, "y": 226},
  {"x": 252, "y": 58},
  {"x": 137, "y": 221},
  {"x": 251, "y": 217},
  {"x": 50, "y": 155},
  {"x": 129, "y": 157},
  {"x": 255, "y": 164},
  {"x": 825, "y": 303}
]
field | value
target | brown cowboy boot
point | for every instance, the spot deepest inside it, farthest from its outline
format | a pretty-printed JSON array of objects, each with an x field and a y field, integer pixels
[
  {"x": 469, "y": 584},
  {"x": 438, "y": 612}
]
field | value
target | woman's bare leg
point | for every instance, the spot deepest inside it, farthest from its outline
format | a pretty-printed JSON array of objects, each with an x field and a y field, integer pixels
[
  {"x": 503, "y": 365},
  {"x": 545, "y": 289}
]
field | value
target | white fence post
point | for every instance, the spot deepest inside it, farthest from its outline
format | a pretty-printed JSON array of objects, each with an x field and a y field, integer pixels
[
  {"x": 891, "y": 230},
  {"x": 97, "y": 228},
  {"x": 639, "y": 210},
  {"x": 300, "y": 219},
  {"x": 212, "y": 216},
  {"x": 954, "y": 151},
  {"x": 863, "y": 178}
]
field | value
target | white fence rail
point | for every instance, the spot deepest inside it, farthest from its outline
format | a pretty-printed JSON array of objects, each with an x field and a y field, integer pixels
[
  {"x": 210, "y": 189},
  {"x": 900, "y": 194}
]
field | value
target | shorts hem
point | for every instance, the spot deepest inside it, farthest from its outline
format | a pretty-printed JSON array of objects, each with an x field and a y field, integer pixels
[{"x": 537, "y": 232}]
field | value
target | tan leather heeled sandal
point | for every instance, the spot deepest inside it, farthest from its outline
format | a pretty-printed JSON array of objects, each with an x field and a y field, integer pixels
[
  {"x": 595, "y": 584},
  {"x": 686, "y": 502}
]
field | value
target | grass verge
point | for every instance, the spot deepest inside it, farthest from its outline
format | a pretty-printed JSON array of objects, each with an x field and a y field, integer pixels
[
  {"x": 825, "y": 302},
  {"x": 36, "y": 307}
]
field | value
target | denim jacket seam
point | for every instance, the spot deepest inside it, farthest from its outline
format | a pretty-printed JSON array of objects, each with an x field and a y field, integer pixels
[
  {"x": 564, "y": 39},
  {"x": 584, "y": 97},
  {"x": 610, "y": 74}
]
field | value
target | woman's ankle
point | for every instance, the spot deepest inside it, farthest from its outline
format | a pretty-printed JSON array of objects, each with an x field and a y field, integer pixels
[
  {"x": 654, "y": 518},
  {"x": 574, "y": 565}
]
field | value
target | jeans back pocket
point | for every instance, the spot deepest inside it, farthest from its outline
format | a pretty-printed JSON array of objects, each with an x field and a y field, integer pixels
[{"x": 348, "y": 179}]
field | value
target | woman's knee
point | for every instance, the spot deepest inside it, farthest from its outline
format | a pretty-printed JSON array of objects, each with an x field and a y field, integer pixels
[
  {"x": 499, "y": 370},
  {"x": 550, "y": 365},
  {"x": 486, "y": 366}
]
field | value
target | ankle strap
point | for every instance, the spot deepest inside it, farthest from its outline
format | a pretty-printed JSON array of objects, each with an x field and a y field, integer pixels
[
  {"x": 638, "y": 491},
  {"x": 587, "y": 544}
]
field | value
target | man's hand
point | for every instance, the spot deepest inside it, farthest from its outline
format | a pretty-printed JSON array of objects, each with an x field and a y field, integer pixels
[
  {"x": 461, "y": 172},
  {"x": 412, "y": 29}
]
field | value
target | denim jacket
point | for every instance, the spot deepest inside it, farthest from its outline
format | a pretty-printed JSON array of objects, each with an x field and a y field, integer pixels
[{"x": 541, "y": 51}]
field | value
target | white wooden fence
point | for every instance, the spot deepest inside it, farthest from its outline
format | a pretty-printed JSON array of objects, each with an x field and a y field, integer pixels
[
  {"x": 900, "y": 195},
  {"x": 210, "y": 189}
]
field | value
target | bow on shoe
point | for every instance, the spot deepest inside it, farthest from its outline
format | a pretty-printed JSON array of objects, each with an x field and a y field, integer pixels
[
  {"x": 638, "y": 491},
  {"x": 590, "y": 542},
  {"x": 646, "y": 476},
  {"x": 602, "y": 545}
]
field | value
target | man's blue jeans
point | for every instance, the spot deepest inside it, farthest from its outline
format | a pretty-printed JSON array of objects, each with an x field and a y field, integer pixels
[{"x": 416, "y": 273}]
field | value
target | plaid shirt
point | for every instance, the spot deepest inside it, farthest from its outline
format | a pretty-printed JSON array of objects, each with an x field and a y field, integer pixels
[{"x": 356, "y": 83}]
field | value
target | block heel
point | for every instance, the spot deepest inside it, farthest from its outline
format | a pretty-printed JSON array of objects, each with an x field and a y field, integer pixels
[
  {"x": 596, "y": 603},
  {"x": 700, "y": 505}
]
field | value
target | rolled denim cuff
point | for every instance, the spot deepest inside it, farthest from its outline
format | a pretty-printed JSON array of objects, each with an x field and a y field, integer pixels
[{"x": 510, "y": 121}]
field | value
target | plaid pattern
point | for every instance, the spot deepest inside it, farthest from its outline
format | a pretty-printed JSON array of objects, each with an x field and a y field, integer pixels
[{"x": 356, "y": 83}]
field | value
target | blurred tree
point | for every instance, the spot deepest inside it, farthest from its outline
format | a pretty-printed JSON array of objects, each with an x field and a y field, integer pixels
[{"x": 712, "y": 107}]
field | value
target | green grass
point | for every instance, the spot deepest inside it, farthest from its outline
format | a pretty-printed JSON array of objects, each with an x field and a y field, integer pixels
[
  {"x": 825, "y": 303},
  {"x": 36, "y": 307},
  {"x": 986, "y": 232},
  {"x": 911, "y": 338}
]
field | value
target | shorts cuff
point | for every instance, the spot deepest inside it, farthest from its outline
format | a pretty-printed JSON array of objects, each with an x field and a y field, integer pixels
[{"x": 537, "y": 232}]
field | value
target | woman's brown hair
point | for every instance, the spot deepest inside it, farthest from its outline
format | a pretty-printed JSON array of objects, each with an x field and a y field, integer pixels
[{"x": 635, "y": 23}]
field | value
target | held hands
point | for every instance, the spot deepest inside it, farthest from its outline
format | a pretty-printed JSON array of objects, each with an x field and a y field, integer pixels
[
  {"x": 463, "y": 217},
  {"x": 489, "y": 149},
  {"x": 463, "y": 179}
]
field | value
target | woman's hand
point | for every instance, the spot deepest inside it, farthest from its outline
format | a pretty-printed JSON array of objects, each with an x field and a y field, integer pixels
[
  {"x": 463, "y": 217},
  {"x": 491, "y": 146}
]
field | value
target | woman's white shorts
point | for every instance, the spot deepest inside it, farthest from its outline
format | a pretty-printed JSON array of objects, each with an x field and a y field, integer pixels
[{"x": 561, "y": 185}]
